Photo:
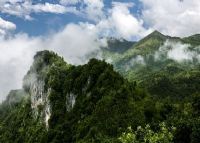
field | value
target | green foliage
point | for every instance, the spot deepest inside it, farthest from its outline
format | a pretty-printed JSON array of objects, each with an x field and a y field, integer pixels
[
  {"x": 147, "y": 135},
  {"x": 100, "y": 94},
  {"x": 193, "y": 40},
  {"x": 93, "y": 103},
  {"x": 162, "y": 77},
  {"x": 17, "y": 124}
]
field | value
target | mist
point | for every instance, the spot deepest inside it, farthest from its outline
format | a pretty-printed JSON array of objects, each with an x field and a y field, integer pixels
[
  {"x": 178, "y": 52},
  {"x": 171, "y": 50},
  {"x": 135, "y": 61},
  {"x": 75, "y": 42}
]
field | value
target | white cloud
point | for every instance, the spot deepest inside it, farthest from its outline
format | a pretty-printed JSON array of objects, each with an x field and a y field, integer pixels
[
  {"x": 178, "y": 52},
  {"x": 23, "y": 8},
  {"x": 122, "y": 24},
  {"x": 94, "y": 9},
  {"x": 126, "y": 23},
  {"x": 91, "y": 9},
  {"x": 6, "y": 26},
  {"x": 69, "y": 2},
  {"x": 15, "y": 58},
  {"x": 172, "y": 17},
  {"x": 74, "y": 43},
  {"x": 48, "y": 7},
  {"x": 116, "y": 21}
]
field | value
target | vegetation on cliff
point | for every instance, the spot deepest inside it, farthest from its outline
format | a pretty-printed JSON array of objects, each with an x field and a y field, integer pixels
[{"x": 150, "y": 102}]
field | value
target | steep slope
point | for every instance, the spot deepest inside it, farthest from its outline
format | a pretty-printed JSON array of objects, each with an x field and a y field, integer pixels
[
  {"x": 118, "y": 45},
  {"x": 71, "y": 104},
  {"x": 193, "y": 40},
  {"x": 115, "y": 48},
  {"x": 145, "y": 46},
  {"x": 16, "y": 121},
  {"x": 62, "y": 103},
  {"x": 164, "y": 65}
]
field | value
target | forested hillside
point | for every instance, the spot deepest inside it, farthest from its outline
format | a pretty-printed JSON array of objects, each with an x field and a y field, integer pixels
[
  {"x": 166, "y": 66},
  {"x": 146, "y": 94}
]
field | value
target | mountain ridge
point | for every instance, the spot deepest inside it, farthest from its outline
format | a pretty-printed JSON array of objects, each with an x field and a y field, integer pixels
[
  {"x": 96, "y": 102},
  {"x": 142, "y": 61}
]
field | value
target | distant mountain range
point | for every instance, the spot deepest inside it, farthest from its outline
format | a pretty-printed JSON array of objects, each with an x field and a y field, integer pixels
[{"x": 171, "y": 58}]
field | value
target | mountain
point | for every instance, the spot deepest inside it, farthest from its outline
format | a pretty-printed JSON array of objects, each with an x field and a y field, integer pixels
[
  {"x": 65, "y": 103},
  {"x": 158, "y": 59},
  {"x": 149, "y": 92},
  {"x": 193, "y": 40}
]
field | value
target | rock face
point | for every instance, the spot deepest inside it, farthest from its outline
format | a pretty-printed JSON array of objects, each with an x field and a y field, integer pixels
[
  {"x": 70, "y": 101},
  {"x": 39, "y": 101},
  {"x": 34, "y": 83},
  {"x": 39, "y": 97}
]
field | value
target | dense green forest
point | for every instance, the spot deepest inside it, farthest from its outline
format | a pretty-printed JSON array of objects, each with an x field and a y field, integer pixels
[{"x": 148, "y": 101}]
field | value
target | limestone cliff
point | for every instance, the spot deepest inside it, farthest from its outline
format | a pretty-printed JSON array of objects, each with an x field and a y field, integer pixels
[{"x": 36, "y": 85}]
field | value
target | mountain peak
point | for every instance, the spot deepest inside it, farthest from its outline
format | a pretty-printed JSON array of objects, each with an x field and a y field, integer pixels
[{"x": 156, "y": 33}]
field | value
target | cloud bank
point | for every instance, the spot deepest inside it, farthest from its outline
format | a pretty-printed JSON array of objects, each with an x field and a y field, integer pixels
[
  {"x": 6, "y": 27},
  {"x": 181, "y": 53},
  {"x": 24, "y": 8},
  {"x": 172, "y": 17},
  {"x": 91, "y": 9},
  {"x": 74, "y": 43},
  {"x": 178, "y": 52}
]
